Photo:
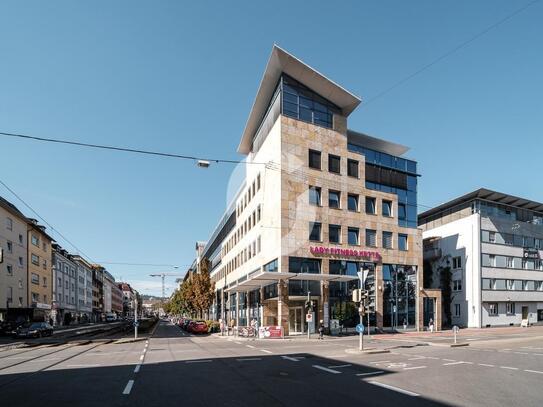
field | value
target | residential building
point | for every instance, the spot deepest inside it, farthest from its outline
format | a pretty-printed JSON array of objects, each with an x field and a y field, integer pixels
[
  {"x": 109, "y": 283},
  {"x": 65, "y": 287},
  {"x": 13, "y": 268},
  {"x": 39, "y": 260},
  {"x": 129, "y": 299},
  {"x": 116, "y": 299},
  {"x": 492, "y": 243},
  {"x": 84, "y": 289},
  {"x": 320, "y": 203},
  {"x": 97, "y": 293}
]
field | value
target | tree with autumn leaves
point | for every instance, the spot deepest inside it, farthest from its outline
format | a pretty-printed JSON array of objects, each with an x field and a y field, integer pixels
[{"x": 195, "y": 295}]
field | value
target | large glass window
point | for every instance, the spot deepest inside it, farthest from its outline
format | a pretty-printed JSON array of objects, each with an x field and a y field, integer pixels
[
  {"x": 370, "y": 205},
  {"x": 352, "y": 202},
  {"x": 315, "y": 231},
  {"x": 299, "y": 102},
  {"x": 304, "y": 265},
  {"x": 334, "y": 199},
  {"x": 371, "y": 238},
  {"x": 352, "y": 168},
  {"x": 314, "y": 196},
  {"x": 334, "y": 163},
  {"x": 387, "y": 208},
  {"x": 334, "y": 233},
  {"x": 353, "y": 236},
  {"x": 387, "y": 240},
  {"x": 402, "y": 242},
  {"x": 315, "y": 159},
  {"x": 271, "y": 266},
  {"x": 399, "y": 295}
]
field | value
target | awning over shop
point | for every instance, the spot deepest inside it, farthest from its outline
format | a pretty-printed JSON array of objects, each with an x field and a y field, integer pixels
[{"x": 259, "y": 279}]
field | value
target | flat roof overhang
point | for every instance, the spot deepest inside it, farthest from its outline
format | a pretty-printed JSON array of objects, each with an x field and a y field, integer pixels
[
  {"x": 282, "y": 62},
  {"x": 264, "y": 278}
]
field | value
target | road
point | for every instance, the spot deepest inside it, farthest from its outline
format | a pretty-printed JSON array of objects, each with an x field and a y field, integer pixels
[{"x": 174, "y": 368}]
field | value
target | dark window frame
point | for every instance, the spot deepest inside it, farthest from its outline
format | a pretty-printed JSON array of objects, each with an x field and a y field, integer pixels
[
  {"x": 315, "y": 152},
  {"x": 332, "y": 158}
]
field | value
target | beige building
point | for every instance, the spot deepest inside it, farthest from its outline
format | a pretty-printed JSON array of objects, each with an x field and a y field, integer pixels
[
  {"x": 40, "y": 284},
  {"x": 321, "y": 206},
  {"x": 13, "y": 269}
]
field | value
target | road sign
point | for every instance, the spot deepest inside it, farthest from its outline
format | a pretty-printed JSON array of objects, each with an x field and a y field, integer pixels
[
  {"x": 455, "y": 329},
  {"x": 136, "y": 323},
  {"x": 309, "y": 317},
  {"x": 360, "y": 328}
]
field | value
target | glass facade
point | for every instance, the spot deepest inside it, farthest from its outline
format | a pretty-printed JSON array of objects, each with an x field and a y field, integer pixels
[
  {"x": 399, "y": 295},
  {"x": 388, "y": 173}
]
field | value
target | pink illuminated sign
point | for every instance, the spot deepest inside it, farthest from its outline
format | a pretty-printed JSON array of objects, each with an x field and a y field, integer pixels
[{"x": 334, "y": 251}]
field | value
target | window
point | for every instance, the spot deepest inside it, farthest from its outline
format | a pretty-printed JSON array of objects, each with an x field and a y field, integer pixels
[
  {"x": 387, "y": 240},
  {"x": 402, "y": 212},
  {"x": 456, "y": 310},
  {"x": 21, "y": 239},
  {"x": 334, "y": 164},
  {"x": 35, "y": 278},
  {"x": 457, "y": 285},
  {"x": 35, "y": 240},
  {"x": 353, "y": 234},
  {"x": 10, "y": 246},
  {"x": 510, "y": 308},
  {"x": 314, "y": 196},
  {"x": 493, "y": 308},
  {"x": 334, "y": 199},
  {"x": 371, "y": 238},
  {"x": 352, "y": 168},
  {"x": 487, "y": 284},
  {"x": 509, "y": 262},
  {"x": 402, "y": 242},
  {"x": 35, "y": 259},
  {"x": 352, "y": 202},
  {"x": 20, "y": 262},
  {"x": 9, "y": 269},
  {"x": 44, "y": 281},
  {"x": 387, "y": 208},
  {"x": 370, "y": 205},
  {"x": 529, "y": 285},
  {"x": 315, "y": 159},
  {"x": 258, "y": 182},
  {"x": 457, "y": 262},
  {"x": 499, "y": 284},
  {"x": 334, "y": 233},
  {"x": 9, "y": 224},
  {"x": 9, "y": 296},
  {"x": 492, "y": 237},
  {"x": 315, "y": 231}
]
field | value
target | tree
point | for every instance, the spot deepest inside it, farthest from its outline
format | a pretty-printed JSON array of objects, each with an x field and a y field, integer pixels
[{"x": 203, "y": 288}]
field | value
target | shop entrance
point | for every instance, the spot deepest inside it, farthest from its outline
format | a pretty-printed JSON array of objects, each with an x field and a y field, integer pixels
[{"x": 296, "y": 320}]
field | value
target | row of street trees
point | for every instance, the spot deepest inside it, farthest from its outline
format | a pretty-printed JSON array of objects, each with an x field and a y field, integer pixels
[{"x": 195, "y": 295}]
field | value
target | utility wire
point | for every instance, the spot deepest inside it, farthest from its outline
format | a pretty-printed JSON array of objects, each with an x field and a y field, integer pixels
[
  {"x": 44, "y": 221},
  {"x": 127, "y": 150},
  {"x": 450, "y": 52}
]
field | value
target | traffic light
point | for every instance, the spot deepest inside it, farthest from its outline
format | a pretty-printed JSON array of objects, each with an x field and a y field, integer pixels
[
  {"x": 356, "y": 295},
  {"x": 309, "y": 306}
]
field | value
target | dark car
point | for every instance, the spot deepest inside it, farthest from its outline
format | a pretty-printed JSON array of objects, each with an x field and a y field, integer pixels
[
  {"x": 34, "y": 330},
  {"x": 9, "y": 327}
]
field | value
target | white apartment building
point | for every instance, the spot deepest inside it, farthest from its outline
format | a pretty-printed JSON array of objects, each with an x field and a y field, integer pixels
[
  {"x": 493, "y": 244},
  {"x": 84, "y": 289},
  {"x": 65, "y": 287}
]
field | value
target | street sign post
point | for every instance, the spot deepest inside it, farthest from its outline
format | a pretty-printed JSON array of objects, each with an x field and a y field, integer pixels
[
  {"x": 455, "y": 330},
  {"x": 309, "y": 318}
]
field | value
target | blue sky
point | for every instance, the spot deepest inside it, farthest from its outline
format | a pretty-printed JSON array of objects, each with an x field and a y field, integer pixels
[{"x": 181, "y": 77}]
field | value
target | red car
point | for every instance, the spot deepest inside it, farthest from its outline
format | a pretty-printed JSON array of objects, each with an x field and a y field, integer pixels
[{"x": 197, "y": 327}]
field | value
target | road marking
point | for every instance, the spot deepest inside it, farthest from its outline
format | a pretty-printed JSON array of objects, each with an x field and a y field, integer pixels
[
  {"x": 432, "y": 357},
  {"x": 453, "y": 363},
  {"x": 521, "y": 353},
  {"x": 248, "y": 359},
  {"x": 508, "y": 367},
  {"x": 370, "y": 373},
  {"x": 538, "y": 354},
  {"x": 137, "y": 369},
  {"x": 250, "y": 346},
  {"x": 265, "y": 351},
  {"x": 449, "y": 360},
  {"x": 239, "y": 343},
  {"x": 415, "y": 367},
  {"x": 199, "y": 361},
  {"x": 326, "y": 369},
  {"x": 290, "y": 358},
  {"x": 388, "y": 386},
  {"x": 380, "y": 361},
  {"x": 418, "y": 358},
  {"x": 128, "y": 387},
  {"x": 533, "y": 371},
  {"x": 338, "y": 366},
  {"x": 485, "y": 364},
  {"x": 141, "y": 357}
]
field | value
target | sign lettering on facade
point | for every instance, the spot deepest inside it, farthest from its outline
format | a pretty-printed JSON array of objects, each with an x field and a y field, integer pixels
[{"x": 335, "y": 251}]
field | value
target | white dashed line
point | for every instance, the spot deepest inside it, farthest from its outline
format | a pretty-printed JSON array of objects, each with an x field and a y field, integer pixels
[
  {"x": 95, "y": 365},
  {"x": 128, "y": 387},
  {"x": 326, "y": 369},
  {"x": 449, "y": 360},
  {"x": 370, "y": 373},
  {"x": 509, "y": 367},
  {"x": 432, "y": 357},
  {"x": 521, "y": 353},
  {"x": 485, "y": 364},
  {"x": 290, "y": 358},
  {"x": 137, "y": 369},
  {"x": 141, "y": 357},
  {"x": 418, "y": 358},
  {"x": 415, "y": 367},
  {"x": 533, "y": 371},
  {"x": 453, "y": 363},
  {"x": 339, "y": 366},
  {"x": 265, "y": 351},
  {"x": 380, "y": 361},
  {"x": 248, "y": 359},
  {"x": 250, "y": 346},
  {"x": 199, "y": 361},
  {"x": 239, "y": 343},
  {"x": 387, "y": 386}
]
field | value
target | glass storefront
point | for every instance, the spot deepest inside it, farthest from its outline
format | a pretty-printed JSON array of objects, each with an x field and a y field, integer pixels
[{"x": 399, "y": 296}]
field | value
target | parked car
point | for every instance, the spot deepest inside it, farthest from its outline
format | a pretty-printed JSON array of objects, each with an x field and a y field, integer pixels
[
  {"x": 9, "y": 327},
  {"x": 111, "y": 317},
  {"x": 198, "y": 327},
  {"x": 34, "y": 330},
  {"x": 186, "y": 323}
]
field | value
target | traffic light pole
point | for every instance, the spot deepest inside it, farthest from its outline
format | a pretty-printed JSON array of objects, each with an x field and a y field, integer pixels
[{"x": 307, "y": 311}]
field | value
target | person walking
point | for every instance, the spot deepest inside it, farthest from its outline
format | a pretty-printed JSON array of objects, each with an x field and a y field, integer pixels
[{"x": 321, "y": 329}]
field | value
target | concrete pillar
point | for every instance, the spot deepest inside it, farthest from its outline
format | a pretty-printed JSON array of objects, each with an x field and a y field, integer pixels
[
  {"x": 282, "y": 305},
  {"x": 237, "y": 309}
]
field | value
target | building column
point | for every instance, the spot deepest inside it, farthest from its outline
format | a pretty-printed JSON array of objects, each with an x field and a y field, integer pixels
[
  {"x": 222, "y": 305},
  {"x": 237, "y": 309},
  {"x": 282, "y": 306}
]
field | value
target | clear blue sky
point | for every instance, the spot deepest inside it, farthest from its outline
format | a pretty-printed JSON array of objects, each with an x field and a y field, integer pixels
[{"x": 181, "y": 77}]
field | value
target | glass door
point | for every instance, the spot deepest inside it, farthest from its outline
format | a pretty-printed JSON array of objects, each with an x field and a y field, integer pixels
[{"x": 296, "y": 324}]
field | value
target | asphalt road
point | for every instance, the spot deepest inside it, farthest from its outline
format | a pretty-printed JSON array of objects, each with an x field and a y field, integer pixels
[{"x": 173, "y": 368}]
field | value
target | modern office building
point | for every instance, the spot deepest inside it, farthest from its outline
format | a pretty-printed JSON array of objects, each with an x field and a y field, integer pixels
[
  {"x": 64, "y": 287},
  {"x": 493, "y": 245},
  {"x": 13, "y": 268},
  {"x": 319, "y": 204}
]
